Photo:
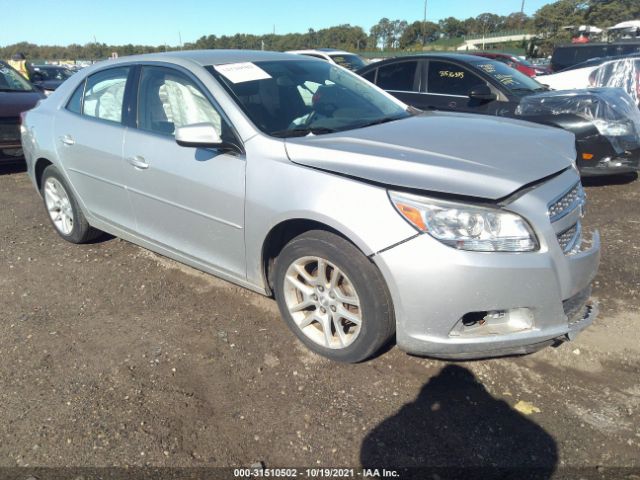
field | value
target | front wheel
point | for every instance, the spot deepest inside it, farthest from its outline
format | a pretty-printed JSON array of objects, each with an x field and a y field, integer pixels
[{"x": 333, "y": 297}]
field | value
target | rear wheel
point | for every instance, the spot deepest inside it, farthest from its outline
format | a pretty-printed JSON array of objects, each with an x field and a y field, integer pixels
[
  {"x": 333, "y": 297},
  {"x": 63, "y": 209}
]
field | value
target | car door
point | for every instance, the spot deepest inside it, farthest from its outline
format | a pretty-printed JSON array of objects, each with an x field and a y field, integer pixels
[
  {"x": 402, "y": 79},
  {"x": 89, "y": 133},
  {"x": 188, "y": 200},
  {"x": 448, "y": 85}
]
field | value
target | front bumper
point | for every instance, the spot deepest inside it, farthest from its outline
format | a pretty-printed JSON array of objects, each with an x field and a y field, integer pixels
[{"x": 434, "y": 286}]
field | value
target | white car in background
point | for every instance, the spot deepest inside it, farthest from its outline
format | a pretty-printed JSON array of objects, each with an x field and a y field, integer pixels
[
  {"x": 597, "y": 72},
  {"x": 339, "y": 57}
]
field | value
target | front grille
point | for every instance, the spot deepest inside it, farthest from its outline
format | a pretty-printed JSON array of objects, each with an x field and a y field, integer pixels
[
  {"x": 567, "y": 203},
  {"x": 570, "y": 239},
  {"x": 576, "y": 308},
  {"x": 9, "y": 130}
]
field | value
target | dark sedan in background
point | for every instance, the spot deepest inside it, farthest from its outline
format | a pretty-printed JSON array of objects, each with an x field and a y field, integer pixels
[
  {"x": 17, "y": 95},
  {"x": 49, "y": 77},
  {"x": 473, "y": 84}
]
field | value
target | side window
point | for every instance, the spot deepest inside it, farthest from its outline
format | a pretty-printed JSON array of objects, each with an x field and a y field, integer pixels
[
  {"x": 398, "y": 76},
  {"x": 371, "y": 76},
  {"x": 104, "y": 94},
  {"x": 75, "y": 102},
  {"x": 450, "y": 79},
  {"x": 168, "y": 99}
]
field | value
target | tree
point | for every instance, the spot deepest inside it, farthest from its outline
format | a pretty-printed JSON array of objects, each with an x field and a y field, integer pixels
[{"x": 413, "y": 34}]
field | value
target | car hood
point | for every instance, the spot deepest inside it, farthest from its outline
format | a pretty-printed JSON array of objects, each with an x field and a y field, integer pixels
[
  {"x": 14, "y": 103},
  {"x": 451, "y": 153}
]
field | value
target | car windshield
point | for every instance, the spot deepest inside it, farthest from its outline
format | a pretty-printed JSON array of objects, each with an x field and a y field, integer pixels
[
  {"x": 508, "y": 77},
  {"x": 12, "y": 81},
  {"x": 301, "y": 97},
  {"x": 352, "y": 62}
]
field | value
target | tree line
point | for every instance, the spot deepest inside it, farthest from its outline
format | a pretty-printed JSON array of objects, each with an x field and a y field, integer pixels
[{"x": 387, "y": 34}]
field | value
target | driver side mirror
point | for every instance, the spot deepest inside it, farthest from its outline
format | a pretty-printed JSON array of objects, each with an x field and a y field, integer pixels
[
  {"x": 482, "y": 93},
  {"x": 202, "y": 135}
]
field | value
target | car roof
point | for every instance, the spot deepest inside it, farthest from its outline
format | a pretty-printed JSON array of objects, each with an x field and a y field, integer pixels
[
  {"x": 461, "y": 57},
  {"x": 325, "y": 51},
  {"x": 207, "y": 57}
]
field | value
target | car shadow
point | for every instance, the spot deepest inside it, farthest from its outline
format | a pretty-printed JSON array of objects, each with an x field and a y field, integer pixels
[
  {"x": 604, "y": 180},
  {"x": 456, "y": 429},
  {"x": 12, "y": 167}
]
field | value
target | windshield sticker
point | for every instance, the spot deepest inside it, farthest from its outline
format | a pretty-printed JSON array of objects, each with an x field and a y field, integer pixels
[
  {"x": 488, "y": 67},
  {"x": 242, "y": 72},
  {"x": 448, "y": 74},
  {"x": 506, "y": 80}
]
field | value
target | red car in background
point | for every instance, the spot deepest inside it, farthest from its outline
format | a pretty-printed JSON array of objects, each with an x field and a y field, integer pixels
[{"x": 515, "y": 62}]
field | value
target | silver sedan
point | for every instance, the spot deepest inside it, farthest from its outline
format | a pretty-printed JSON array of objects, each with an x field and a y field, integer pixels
[{"x": 459, "y": 235}]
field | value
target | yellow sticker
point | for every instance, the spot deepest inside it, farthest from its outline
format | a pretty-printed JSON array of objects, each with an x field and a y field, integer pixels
[{"x": 448, "y": 74}]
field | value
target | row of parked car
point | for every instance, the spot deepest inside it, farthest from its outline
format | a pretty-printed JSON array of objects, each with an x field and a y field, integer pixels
[{"x": 458, "y": 235}]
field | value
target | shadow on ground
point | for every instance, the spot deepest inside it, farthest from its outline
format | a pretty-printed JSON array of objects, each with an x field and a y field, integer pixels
[
  {"x": 456, "y": 429},
  {"x": 12, "y": 167},
  {"x": 604, "y": 180}
]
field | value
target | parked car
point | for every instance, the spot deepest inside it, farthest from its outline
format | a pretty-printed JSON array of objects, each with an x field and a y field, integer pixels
[
  {"x": 17, "y": 95},
  {"x": 580, "y": 75},
  {"x": 467, "y": 83},
  {"x": 49, "y": 77},
  {"x": 519, "y": 64},
  {"x": 565, "y": 56},
  {"x": 362, "y": 217},
  {"x": 339, "y": 57}
]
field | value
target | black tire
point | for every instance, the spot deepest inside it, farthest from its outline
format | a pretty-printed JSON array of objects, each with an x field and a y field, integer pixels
[
  {"x": 81, "y": 232},
  {"x": 378, "y": 320}
]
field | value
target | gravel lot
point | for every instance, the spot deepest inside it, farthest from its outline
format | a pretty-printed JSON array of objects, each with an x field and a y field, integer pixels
[{"x": 112, "y": 356}]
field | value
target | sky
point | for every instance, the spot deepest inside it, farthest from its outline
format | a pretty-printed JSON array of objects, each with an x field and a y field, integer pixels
[{"x": 117, "y": 22}]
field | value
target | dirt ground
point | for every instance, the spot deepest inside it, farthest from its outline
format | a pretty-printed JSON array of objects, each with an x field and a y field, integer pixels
[{"x": 111, "y": 355}]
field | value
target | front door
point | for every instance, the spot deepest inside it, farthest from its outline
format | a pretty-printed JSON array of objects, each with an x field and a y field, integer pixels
[
  {"x": 448, "y": 86},
  {"x": 189, "y": 200}
]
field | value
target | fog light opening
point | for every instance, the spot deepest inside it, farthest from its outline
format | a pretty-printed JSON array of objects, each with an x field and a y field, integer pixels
[{"x": 493, "y": 322}]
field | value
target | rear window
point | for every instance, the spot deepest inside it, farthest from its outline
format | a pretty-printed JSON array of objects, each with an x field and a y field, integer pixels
[
  {"x": 398, "y": 76},
  {"x": 352, "y": 62}
]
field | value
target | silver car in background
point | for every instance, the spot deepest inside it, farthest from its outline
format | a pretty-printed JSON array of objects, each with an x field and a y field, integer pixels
[{"x": 459, "y": 234}]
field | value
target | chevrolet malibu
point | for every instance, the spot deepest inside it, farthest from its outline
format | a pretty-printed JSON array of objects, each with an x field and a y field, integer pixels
[{"x": 458, "y": 235}]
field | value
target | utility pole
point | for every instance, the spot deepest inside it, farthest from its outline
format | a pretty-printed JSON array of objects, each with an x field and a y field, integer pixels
[
  {"x": 522, "y": 7},
  {"x": 424, "y": 25},
  {"x": 180, "y": 39}
]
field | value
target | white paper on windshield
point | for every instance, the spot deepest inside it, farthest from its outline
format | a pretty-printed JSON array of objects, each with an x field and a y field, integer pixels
[{"x": 242, "y": 72}]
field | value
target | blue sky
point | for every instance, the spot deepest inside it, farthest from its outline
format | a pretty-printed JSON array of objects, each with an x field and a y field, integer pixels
[{"x": 158, "y": 22}]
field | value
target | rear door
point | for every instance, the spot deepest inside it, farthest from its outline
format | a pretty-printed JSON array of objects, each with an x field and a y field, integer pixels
[
  {"x": 188, "y": 200},
  {"x": 402, "y": 79},
  {"x": 89, "y": 133}
]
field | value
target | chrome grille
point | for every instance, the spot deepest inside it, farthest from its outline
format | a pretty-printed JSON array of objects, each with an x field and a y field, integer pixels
[
  {"x": 570, "y": 239},
  {"x": 568, "y": 202}
]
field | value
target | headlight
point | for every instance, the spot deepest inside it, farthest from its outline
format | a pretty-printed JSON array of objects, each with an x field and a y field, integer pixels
[
  {"x": 466, "y": 227},
  {"x": 611, "y": 128}
]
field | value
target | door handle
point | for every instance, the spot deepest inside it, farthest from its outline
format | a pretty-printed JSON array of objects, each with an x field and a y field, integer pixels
[
  {"x": 138, "y": 162},
  {"x": 67, "y": 140}
]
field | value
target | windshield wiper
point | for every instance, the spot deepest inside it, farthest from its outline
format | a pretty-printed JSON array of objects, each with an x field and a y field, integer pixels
[
  {"x": 302, "y": 131},
  {"x": 378, "y": 121}
]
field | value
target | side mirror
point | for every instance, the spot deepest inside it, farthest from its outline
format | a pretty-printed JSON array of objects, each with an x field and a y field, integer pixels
[
  {"x": 202, "y": 135},
  {"x": 482, "y": 93}
]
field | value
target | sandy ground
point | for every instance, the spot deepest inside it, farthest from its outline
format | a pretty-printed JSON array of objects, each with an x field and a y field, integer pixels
[{"x": 112, "y": 356}]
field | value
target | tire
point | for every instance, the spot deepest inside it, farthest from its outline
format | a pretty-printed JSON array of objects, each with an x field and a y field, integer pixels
[
  {"x": 351, "y": 289},
  {"x": 63, "y": 210}
]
